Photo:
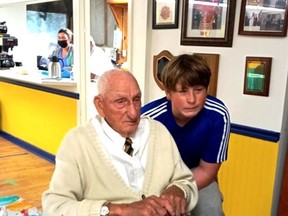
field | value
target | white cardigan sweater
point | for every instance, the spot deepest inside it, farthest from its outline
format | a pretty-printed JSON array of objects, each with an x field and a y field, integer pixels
[{"x": 85, "y": 178}]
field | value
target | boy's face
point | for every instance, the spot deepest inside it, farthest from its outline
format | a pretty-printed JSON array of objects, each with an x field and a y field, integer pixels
[{"x": 186, "y": 102}]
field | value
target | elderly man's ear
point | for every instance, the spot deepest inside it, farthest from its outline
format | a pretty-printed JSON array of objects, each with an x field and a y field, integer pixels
[{"x": 98, "y": 103}]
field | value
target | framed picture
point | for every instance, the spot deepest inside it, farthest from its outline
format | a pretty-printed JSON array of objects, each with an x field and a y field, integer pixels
[
  {"x": 208, "y": 22},
  {"x": 263, "y": 18},
  {"x": 165, "y": 14},
  {"x": 257, "y": 75},
  {"x": 161, "y": 59}
]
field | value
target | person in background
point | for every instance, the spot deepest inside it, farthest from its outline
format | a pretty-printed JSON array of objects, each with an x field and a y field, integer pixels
[
  {"x": 280, "y": 4},
  {"x": 99, "y": 62},
  {"x": 65, "y": 51},
  {"x": 95, "y": 175},
  {"x": 199, "y": 123}
]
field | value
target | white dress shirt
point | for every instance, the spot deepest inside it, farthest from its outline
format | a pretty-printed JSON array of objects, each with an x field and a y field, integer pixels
[{"x": 131, "y": 169}]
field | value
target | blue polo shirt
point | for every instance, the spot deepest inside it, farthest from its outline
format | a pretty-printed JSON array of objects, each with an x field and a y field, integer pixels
[{"x": 205, "y": 136}]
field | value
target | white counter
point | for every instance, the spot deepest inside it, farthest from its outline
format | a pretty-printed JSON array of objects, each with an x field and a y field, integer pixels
[{"x": 36, "y": 77}]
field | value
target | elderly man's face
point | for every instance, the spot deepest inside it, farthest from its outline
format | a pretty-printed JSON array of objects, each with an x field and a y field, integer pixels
[{"x": 121, "y": 105}]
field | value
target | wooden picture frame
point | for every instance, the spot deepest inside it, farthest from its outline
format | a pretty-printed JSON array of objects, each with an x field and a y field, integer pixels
[
  {"x": 165, "y": 14},
  {"x": 213, "y": 63},
  {"x": 257, "y": 75},
  {"x": 264, "y": 18},
  {"x": 215, "y": 28},
  {"x": 161, "y": 59}
]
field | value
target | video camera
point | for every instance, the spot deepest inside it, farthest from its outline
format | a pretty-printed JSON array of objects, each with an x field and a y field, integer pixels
[
  {"x": 3, "y": 27},
  {"x": 7, "y": 43}
]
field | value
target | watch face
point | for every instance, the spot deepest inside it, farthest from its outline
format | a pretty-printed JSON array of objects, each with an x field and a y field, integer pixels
[{"x": 104, "y": 211}]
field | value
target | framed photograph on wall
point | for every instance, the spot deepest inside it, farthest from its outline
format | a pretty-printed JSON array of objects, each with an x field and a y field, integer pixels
[
  {"x": 165, "y": 14},
  {"x": 257, "y": 75},
  {"x": 208, "y": 22},
  {"x": 263, "y": 18}
]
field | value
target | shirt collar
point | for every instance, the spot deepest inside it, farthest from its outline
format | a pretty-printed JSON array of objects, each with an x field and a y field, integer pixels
[
  {"x": 139, "y": 138},
  {"x": 113, "y": 135}
]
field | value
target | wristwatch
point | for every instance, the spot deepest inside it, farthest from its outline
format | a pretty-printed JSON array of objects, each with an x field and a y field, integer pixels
[{"x": 104, "y": 211}]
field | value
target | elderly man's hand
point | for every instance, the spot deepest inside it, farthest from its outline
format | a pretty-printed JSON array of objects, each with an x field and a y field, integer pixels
[
  {"x": 171, "y": 202},
  {"x": 150, "y": 206},
  {"x": 173, "y": 199}
]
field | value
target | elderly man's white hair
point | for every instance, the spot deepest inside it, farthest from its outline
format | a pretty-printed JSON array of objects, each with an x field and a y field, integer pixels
[{"x": 103, "y": 79}]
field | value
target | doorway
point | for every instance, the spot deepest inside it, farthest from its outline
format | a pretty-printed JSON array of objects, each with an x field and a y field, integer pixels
[{"x": 109, "y": 29}]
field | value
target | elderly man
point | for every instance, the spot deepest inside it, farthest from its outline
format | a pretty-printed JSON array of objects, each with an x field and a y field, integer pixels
[{"x": 99, "y": 172}]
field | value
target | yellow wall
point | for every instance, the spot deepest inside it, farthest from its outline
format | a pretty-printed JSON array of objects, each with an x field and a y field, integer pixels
[
  {"x": 37, "y": 117},
  {"x": 247, "y": 178}
]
